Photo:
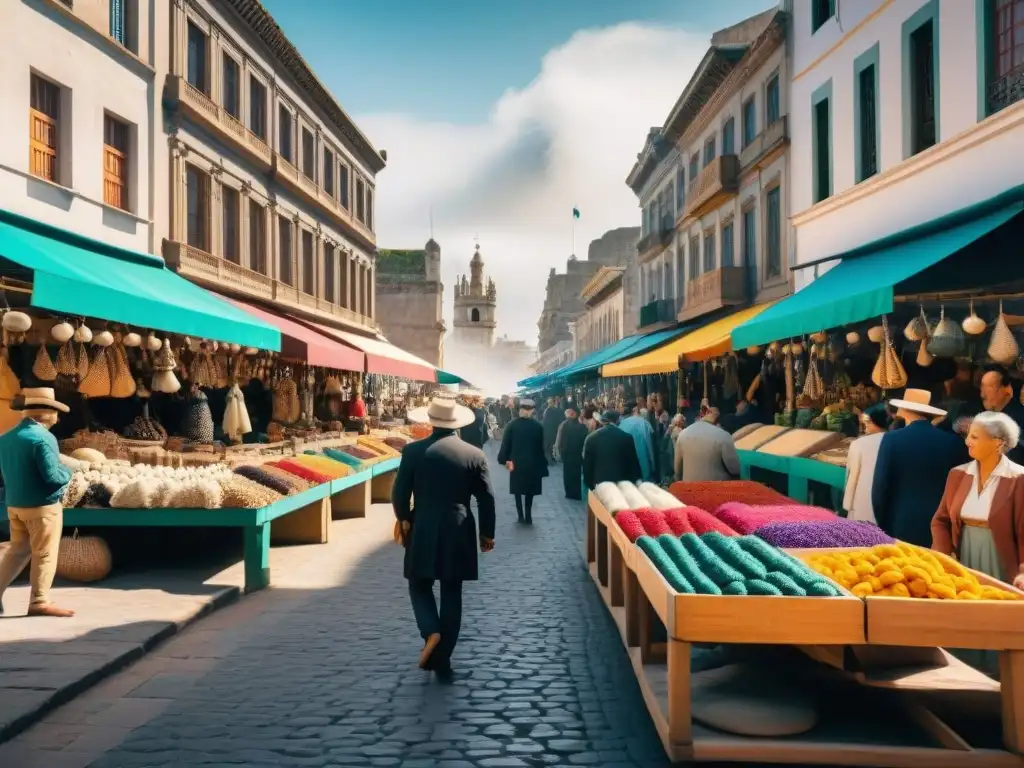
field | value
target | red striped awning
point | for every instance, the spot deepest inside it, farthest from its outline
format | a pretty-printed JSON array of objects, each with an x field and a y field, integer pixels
[{"x": 383, "y": 357}]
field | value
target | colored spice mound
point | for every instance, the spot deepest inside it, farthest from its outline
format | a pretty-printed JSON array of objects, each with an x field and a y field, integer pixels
[
  {"x": 714, "y": 493},
  {"x": 903, "y": 570},
  {"x": 747, "y": 519},
  {"x": 819, "y": 534},
  {"x": 715, "y": 564}
]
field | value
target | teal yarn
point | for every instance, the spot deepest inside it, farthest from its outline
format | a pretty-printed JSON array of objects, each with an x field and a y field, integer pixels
[
  {"x": 688, "y": 566},
  {"x": 652, "y": 548}
]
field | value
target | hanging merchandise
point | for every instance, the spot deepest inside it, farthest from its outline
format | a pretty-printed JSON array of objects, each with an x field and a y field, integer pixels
[
  {"x": 43, "y": 368},
  {"x": 83, "y": 334},
  {"x": 973, "y": 325},
  {"x": 96, "y": 382},
  {"x": 853, "y": 338},
  {"x": 876, "y": 333},
  {"x": 197, "y": 421},
  {"x": 947, "y": 337},
  {"x": 145, "y": 427},
  {"x": 236, "y": 417},
  {"x": 67, "y": 362},
  {"x": 10, "y": 388},
  {"x": 917, "y": 329},
  {"x": 164, "y": 364},
  {"x": 16, "y": 324},
  {"x": 924, "y": 357},
  {"x": 813, "y": 387},
  {"x": 62, "y": 332},
  {"x": 286, "y": 400},
  {"x": 202, "y": 371},
  {"x": 332, "y": 386},
  {"x": 889, "y": 372},
  {"x": 1002, "y": 348},
  {"x": 122, "y": 383}
]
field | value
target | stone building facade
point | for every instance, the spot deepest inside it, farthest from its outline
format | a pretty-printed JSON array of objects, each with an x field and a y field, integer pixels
[
  {"x": 475, "y": 304},
  {"x": 410, "y": 297}
]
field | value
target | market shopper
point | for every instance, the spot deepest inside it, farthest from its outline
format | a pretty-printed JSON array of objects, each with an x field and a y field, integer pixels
[
  {"x": 572, "y": 433},
  {"x": 860, "y": 464},
  {"x": 609, "y": 454},
  {"x": 476, "y": 433},
  {"x": 523, "y": 454},
  {"x": 442, "y": 473},
  {"x": 705, "y": 452},
  {"x": 997, "y": 395},
  {"x": 551, "y": 419},
  {"x": 34, "y": 482},
  {"x": 639, "y": 428},
  {"x": 907, "y": 485}
]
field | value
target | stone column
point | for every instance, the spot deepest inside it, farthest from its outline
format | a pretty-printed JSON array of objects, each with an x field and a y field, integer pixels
[
  {"x": 179, "y": 199},
  {"x": 274, "y": 234},
  {"x": 371, "y": 291},
  {"x": 244, "y": 246},
  {"x": 318, "y": 257},
  {"x": 215, "y": 238},
  {"x": 296, "y": 237},
  {"x": 270, "y": 216},
  {"x": 353, "y": 284},
  {"x": 343, "y": 298}
]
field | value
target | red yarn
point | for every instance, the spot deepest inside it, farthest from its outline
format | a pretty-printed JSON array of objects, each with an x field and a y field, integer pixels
[
  {"x": 704, "y": 522},
  {"x": 713, "y": 493},
  {"x": 653, "y": 521},
  {"x": 630, "y": 524},
  {"x": 679, "y": 521},
  {"x": 300, "y": 471},
  {"x": 746, "y": 519}
]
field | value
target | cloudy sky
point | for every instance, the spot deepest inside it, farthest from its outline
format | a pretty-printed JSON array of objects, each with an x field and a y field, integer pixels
[{"x": 500, "y": 117}]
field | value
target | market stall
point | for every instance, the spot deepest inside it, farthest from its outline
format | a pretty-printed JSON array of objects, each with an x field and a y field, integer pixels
[{"x": 779, "y": 648}]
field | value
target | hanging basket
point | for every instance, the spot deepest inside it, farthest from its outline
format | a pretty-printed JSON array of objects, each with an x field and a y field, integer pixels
[{"x": 83, "y": 559}]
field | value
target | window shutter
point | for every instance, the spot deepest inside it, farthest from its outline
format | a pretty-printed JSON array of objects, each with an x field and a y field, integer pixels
[{"x": 117, "y": 20}]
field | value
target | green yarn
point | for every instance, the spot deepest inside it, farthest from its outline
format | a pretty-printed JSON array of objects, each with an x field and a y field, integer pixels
[
  {"x": 758, "y": 587},
  {"x": 688, "y": 566},
  {"x": 727, "y": 548},
  {"x": 710, "y": 563},
  {"x": 652, "y": 548},
  {"x": 734, "y": 588},
  {"x": 784, "y": 584}
]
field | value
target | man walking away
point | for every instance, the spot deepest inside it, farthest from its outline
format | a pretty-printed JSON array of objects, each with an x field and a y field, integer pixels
[
  {"x": 569, "y": 444},
  {"x": 522, "y": 453},
  {"x": 552, "y": 420},
  {"x": 476, "y": 433},
  {"x": 639, "y": 428},
  {"x": 34, "y": 483},
  {"x": 442, "y": 473},
  {"x": 609, "y": 454},
  {"x": 704, "y": 452}
]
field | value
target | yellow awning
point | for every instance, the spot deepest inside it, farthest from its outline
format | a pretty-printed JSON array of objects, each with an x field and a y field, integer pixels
[{"x": 710, "y": 341}]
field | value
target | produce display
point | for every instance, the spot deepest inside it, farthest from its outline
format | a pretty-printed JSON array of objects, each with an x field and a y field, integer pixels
[
  {"x": 747, "y": 519},
  {"x": 903, "y": 570},
  {"x": 714, "y": 493},
  {"x": 714, "y": 564},
  {"x": 820, "y": 534}
]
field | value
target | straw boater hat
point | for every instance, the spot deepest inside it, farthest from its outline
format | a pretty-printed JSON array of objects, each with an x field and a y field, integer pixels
[
  {"x": 37, "y": 399},
  {"x": 918, "y": 401},
  {"x": 444, "y": 413}
]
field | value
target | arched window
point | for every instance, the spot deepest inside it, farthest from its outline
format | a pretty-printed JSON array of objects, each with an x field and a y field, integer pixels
[{"x": 475, "y": 315}]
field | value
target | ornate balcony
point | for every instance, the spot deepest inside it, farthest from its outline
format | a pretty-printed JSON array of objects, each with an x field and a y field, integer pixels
[
  {"x": 723, "y": 287},
  {"x": 201, "y": 108},
  {"x": 715, "y": 184},
  {"x": 659, "y": 311},
  {"x": 1007, "y": 90},
  {"x": 765, "y": 143},
  {"x": 655, "y": 242},
  {"x": 225, "y": 276}
]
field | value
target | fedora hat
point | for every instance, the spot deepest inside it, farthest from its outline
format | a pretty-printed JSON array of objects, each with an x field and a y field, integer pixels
[
  {"x": 37, "y": 398},
  {"x": 918, "y": 401},
  {"x": 444, "y": 413}
]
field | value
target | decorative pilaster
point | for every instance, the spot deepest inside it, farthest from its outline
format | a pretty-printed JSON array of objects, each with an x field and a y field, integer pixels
[
  {"x": 215, "y": 240},
  {"x": 179, "y": 193},
  {"x": 371, "y": 290}
]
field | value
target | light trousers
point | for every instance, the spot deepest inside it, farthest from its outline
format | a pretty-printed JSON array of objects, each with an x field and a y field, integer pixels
[{"x": 35, "y": 538}]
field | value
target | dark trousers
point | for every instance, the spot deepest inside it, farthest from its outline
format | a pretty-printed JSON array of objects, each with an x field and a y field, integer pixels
[
  {"x": 524, "y": 512},
  {"x": 447, "y": 622},
  {"x": 572, "y": 479}
]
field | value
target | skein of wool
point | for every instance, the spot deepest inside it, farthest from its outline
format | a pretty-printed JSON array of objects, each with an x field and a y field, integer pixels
[
  {"x": 634, "y": 498},
  {"x": 659, "y": 498},
  {"x": 611, "y": 497}
]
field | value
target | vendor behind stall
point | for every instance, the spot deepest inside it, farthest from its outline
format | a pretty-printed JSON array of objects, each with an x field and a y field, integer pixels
[{"x": 997, "y": 395}]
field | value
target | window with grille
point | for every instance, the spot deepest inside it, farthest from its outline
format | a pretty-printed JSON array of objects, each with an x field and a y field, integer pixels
[
  {"x": 727, "y": 245},
  {"x": 230, "y": 218},
  {"x": 710, "y": 257},
  {"x": 709, "y": 151},
  {"x": 360, "y": 201},
  {"x": 868, "y": 159},
  {"x": 308, "y": 264},
  {"x": 257, "y": 237},
  {"x": 729, "y": 137},
  {"x": 44, "y": 120},
  {"x": 328, "y": 176},
  {"x": 258, "y": 108},
  {"x": 773, "y": 107},
  {"x": 115, "y": 162},
  {"x": 922, "y": 87},
  {"x": 773, "y": 233},
  {"x": 284, "y": 133},
  {"x": 197, "y": 189},
  {"x": 1005, "y": 54},
  {"x": 231, "y": 90},
  {"x": 284, "y": 251},
  {"x": 343, "y": 186},
  {"x": 198, "y": 50},
  {"x": 749, "y": 121},
  {"x": 308, "y": 154},
  {"x": 117, "y": 20},
  {"x": 694, "y": 258},
  {"x": 329, "y": 259}
]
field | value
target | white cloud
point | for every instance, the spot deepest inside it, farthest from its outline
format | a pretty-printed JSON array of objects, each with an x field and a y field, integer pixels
[{"x": 568, "y": 138}]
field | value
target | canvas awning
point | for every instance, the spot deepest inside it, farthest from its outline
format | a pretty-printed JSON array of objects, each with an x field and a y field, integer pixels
[
  {"x": 383, "y": 357},
  {"x": 702, "y": 344},
  {"x": 74, "y": 275}
]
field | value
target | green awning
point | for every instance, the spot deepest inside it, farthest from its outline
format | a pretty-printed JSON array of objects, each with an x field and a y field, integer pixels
[
  {"x": 73, "y": 275},
  {"x": 863, "y": 286},
  {"x": 443, "y": 377}
]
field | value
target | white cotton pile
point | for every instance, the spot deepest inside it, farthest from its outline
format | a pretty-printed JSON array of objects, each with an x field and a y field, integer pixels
[
  {"x": 197, "y": 494},
  {"x": 163, "y": 492},
  {"x": 634, "y": 498},
  {"x": 611, "y": 497},
  {"x": 136, "y": 494},
  {"x": 659, "y": 498}
]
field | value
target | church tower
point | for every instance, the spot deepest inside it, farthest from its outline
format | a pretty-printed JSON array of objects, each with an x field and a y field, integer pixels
[{"x": 476, "y": 300}]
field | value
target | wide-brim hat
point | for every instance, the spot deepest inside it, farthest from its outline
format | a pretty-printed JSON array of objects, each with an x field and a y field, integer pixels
[
  {"x": 918, "y": 401},
  {"x": 38, "y": 398},
  {"x": 443, "y": 412},
  {"x": 527, "y": 403}
]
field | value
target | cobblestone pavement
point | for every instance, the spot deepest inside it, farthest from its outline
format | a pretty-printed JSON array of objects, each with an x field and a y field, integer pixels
[{"x": 320, "y": 670}]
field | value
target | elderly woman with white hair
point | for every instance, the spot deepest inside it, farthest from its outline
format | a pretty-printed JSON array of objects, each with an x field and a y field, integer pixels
[{"x": 980, "y": 519}]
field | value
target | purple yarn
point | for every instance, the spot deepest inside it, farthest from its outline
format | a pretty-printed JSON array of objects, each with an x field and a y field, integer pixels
[{"x": 818, "y": 534}]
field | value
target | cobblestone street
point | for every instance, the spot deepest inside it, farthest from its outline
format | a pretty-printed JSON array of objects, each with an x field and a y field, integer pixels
[{"x": 320, "y": 670}]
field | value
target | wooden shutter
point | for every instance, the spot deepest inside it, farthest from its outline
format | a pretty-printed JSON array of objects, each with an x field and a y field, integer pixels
[
  {"x": 115, "y": 163},
  {"x": 44, "y": 120}
]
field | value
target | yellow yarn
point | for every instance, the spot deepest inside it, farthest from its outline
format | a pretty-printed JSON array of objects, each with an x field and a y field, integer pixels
[
  {"x": 325, "y": 466},
  {"x": 903, "y": 570},
  {"x": 377, "y": 446}
]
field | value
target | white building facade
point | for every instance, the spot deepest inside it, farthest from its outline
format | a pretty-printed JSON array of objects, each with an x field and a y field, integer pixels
[
  {"x": 602, "y": 323},
  {"x": 76, "y": 92},
  {"x": 264, "y": 187},
  {"x": 888, "y": 133}
]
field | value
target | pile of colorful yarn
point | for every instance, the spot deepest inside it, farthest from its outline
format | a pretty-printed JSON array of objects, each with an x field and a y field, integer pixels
[
  {"x": 647, "y": 510},
  {"x": 713, "y": 494}
]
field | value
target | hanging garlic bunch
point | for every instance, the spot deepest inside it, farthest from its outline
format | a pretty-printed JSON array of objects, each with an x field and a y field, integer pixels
[{"x": 164, "y": 364}]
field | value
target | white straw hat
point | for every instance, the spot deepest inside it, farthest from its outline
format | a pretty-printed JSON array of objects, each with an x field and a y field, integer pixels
[
  {"x": 443, "y": 412},
  {"x": 38, "y": 398},
  {"x": 918, "y": 401}
]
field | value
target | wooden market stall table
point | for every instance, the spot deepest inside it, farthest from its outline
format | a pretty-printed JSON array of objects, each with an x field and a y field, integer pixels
[{"x": 845, "y": 634}]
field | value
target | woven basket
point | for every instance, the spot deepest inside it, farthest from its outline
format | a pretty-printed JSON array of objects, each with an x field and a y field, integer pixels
[{"x": 84, "y": 559}]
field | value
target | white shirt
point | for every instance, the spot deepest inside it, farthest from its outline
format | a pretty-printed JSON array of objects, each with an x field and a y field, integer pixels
[
  {"x": 860, "y": 473},
  {"x": 978, "y": 503}
]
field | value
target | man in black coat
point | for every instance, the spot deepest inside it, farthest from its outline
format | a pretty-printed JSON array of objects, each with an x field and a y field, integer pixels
[
  {"x": 442, "y": 473},
  {"x": 522, "y": 453},
  {"x": 569, "y": 445},
  {"x": 609, "y": 454},
  {"x": 552, "y": 420},
  {"x": 911, "y": 469},
  {"x": 475, "y": 433},
  {"x": 997, "y": 395}
]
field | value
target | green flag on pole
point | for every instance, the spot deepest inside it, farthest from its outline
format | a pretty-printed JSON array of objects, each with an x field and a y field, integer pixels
[{"x": 575, "y": 212}]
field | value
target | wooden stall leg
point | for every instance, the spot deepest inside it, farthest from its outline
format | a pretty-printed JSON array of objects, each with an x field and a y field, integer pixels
[
  {"x": 257, "y": 557},
  {"x": 678, "y": 715},
  {"x": 601, "y": 534},
  {"x": 310, "y": 524},
  {"x": 631, "y": 599},
  {"x": 591, "y": 536},
  {"x": 380, "y": 487},
  {"x": 617, "y": 567},
  {"x": 651, "y": 651},
  {"x": 1011, "y": 679},
  {"x": 352, "y": 502}
]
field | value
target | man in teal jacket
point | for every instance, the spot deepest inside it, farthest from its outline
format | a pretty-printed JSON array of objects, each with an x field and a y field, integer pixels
[{"x": 34, "y": 483}]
